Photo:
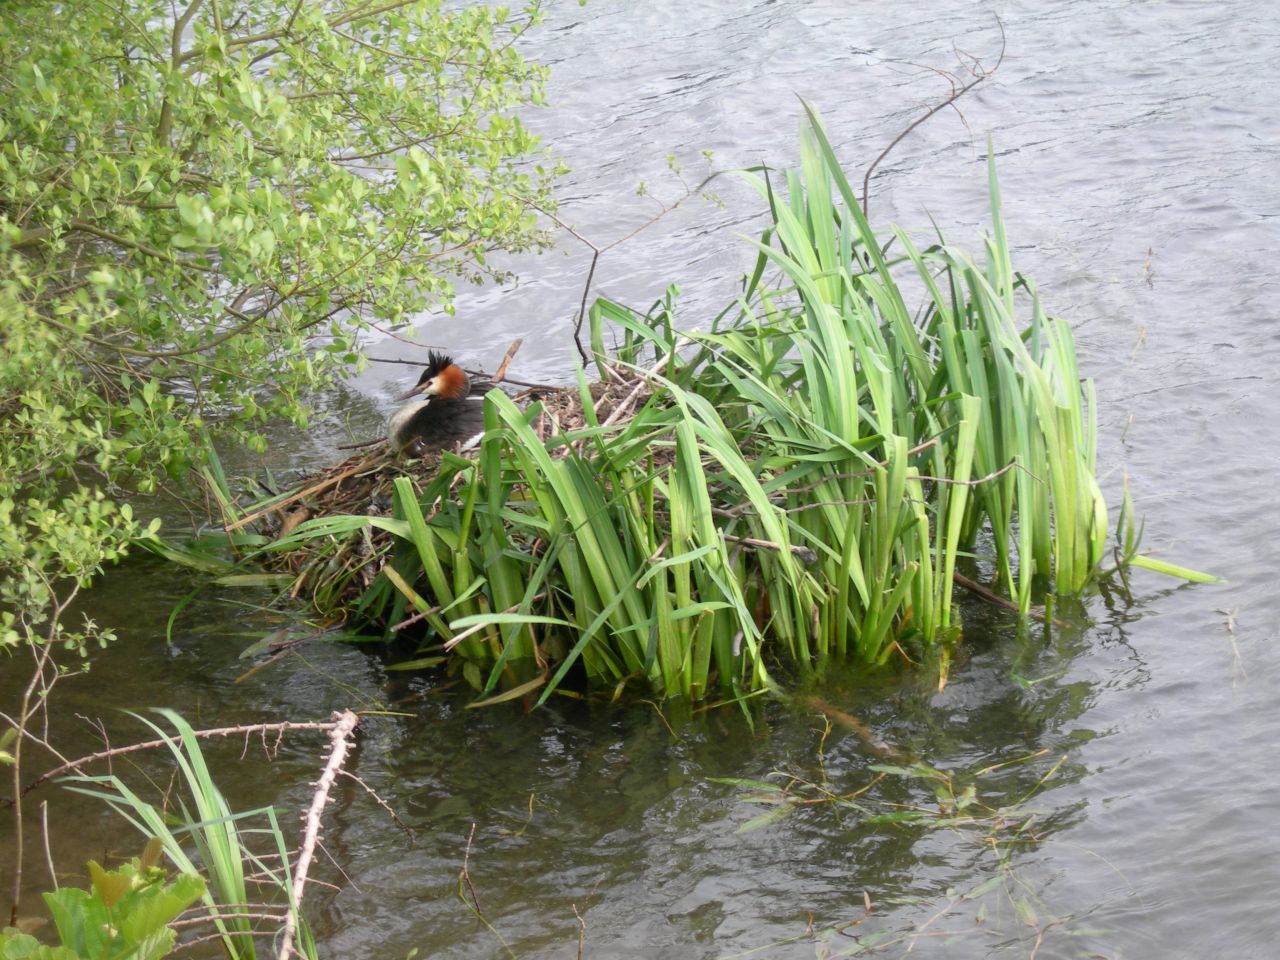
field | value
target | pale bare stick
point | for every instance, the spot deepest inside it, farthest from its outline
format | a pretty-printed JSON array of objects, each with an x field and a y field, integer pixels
[{"x": 343, "y": 726}]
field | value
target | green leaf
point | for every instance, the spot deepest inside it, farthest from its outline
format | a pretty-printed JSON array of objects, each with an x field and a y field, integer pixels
[
  {"x": 748, "y": 784},
  {"x": 21, "y": 946},
  {"x": 768, "y": 818},
  {"x": 1173, "y": 570},
  {"x": 419, "y": 663}
]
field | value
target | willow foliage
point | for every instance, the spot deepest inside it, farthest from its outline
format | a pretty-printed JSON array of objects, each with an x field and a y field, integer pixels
[{"x": 201, "y": 207}]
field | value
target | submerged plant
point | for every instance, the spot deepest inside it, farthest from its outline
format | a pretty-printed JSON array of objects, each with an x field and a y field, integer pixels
[{"x": 995, "y": 814}]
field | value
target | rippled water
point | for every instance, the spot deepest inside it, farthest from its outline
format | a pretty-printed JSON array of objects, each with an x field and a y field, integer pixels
[{"x": 1139, "y": 152}]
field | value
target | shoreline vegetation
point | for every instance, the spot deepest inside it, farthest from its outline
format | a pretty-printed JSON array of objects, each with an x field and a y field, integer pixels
[
  {"x": 204, "y": 208},
  {"x": 793, "y": 485}
]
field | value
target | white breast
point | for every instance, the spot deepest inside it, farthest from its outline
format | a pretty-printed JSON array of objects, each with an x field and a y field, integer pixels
[{"x": 398, "y": 424}]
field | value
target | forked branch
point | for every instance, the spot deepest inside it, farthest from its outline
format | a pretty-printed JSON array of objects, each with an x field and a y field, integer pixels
[
  {"x": 339, "y": 740},
  {"x": 977, "y": 73}
]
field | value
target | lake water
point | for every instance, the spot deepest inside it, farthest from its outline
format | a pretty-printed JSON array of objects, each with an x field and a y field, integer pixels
[{"x": 1139, "y": 153}]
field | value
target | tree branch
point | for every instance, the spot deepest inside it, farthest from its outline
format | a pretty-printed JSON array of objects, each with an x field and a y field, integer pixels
[
  {"x": 344, "y": 725},
  {"x": 337, "y": 20},
  {"x": 163, "y": 127},
  {"x": 260, "y": 728},
  {"x": 979, "y": 74}
]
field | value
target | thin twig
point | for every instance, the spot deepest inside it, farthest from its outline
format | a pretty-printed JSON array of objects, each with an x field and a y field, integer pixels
[
  {"x": 219, "y": 936},
  {"x": 362, "y": 444},
  {"x": 407, "y": 363},
  {"x": 465, "y": 875},
  {"x": 48, "y": 853},
  {"x": 457, "y": 638},
  {"x": 417, "y": 617},
  {"x": 992, "y": 597},
  {"x": 598, "y": 249},
  {"x": 582, "y": 931},
  {"x": 804, "y": 554},
  {"x": 43, "y": 654},
  {"x": 246, "y": 729},
  {"x": 204, "y": 917},
  {"x": 979, "y": 74},
  {"x": 582, "y": 307},
  {"x": 413, "y": 839}
]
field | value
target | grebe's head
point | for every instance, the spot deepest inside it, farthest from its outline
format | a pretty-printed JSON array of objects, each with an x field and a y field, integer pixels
[{"x": 442, "y": 378}]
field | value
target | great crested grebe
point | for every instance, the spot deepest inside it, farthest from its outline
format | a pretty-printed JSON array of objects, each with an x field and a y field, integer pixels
[{"x": 445, "y": 412}]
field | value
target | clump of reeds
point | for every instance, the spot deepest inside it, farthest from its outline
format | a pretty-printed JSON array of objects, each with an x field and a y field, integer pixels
[{"x": 795, "y": 483}]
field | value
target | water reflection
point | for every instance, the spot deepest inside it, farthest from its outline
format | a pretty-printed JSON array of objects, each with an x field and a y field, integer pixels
[{"x": 605, "y": 811}]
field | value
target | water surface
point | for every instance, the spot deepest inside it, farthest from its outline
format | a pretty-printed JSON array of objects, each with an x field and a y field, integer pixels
[{"x": 1138, "y": 152}]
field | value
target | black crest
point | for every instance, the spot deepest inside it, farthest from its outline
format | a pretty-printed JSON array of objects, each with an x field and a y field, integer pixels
[{"x": 436, "y": 362}]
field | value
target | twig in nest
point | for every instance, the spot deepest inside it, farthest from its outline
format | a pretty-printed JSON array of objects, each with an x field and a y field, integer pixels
[
  {"x": 457, "y": 638},
  {"x": 804, "y": 554},
  {"x": 305, "y": 492},
  {"x": 506, "y": 362},
  {"x": 621, "y": 409}
]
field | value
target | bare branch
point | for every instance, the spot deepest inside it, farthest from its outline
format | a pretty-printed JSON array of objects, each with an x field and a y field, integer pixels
[
  {"x": 342, "y": 728},
  {"x": 597, "y": 249},
  {"x": 979, "y": 74},
  {"x": 70, "y": 765}
]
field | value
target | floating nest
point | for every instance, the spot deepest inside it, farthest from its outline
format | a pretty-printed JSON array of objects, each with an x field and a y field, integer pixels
[{"x": 362, "y": 484}]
